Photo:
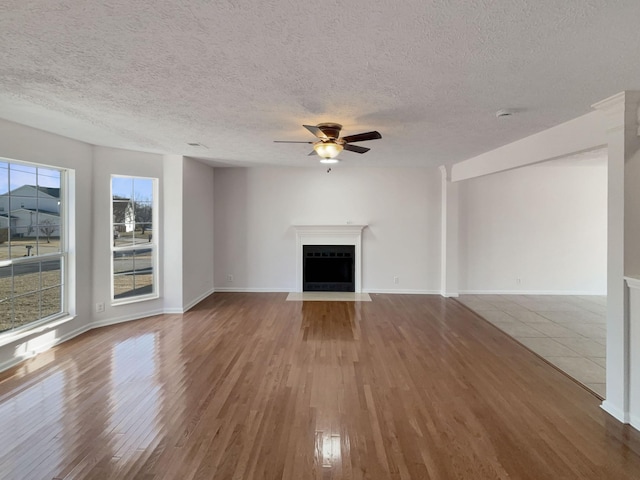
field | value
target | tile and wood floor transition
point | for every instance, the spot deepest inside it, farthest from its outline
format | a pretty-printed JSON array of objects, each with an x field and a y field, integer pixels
[
  {"x": 569, "y": 331},
  {"x": 251, "y": 386}
]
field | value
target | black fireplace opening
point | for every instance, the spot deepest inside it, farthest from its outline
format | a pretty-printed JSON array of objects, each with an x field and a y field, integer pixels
[{"x": 328, "y": 268}]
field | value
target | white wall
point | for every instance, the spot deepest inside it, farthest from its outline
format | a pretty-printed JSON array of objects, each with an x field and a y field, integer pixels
[
  {"x": 27, "y": 144},
  {"x": 545, "y": 224},
  {"x": 255, "y": 208},
  {"x": 197, "y": 228}
]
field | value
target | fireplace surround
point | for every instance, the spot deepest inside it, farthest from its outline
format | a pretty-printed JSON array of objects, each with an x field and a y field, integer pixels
[{"x": 348, "y": 234}]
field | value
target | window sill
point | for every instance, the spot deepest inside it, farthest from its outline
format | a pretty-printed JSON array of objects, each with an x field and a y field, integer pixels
[{"x": 141, "y": 298}]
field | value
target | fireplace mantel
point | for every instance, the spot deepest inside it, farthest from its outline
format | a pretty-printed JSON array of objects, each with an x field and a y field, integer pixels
[{"x": 348, "y": 234}]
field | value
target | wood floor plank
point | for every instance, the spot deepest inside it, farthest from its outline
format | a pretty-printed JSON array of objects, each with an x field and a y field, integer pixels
[{"x": 250, "y": 386}]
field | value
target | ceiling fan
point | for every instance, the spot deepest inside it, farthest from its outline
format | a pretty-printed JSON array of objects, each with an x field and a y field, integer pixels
[{"x": 331, "y": 143}]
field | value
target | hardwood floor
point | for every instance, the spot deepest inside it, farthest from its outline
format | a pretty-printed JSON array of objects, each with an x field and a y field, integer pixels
[{"x": 249, "y": 386}]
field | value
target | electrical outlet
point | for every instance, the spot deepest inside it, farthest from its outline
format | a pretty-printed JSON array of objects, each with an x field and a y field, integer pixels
[
  {"x": 396, "y": 279},
  {"x": 230, "y": 278},
  {"x": 99, "y": 307},
  {"x": 518, "y": 281}
]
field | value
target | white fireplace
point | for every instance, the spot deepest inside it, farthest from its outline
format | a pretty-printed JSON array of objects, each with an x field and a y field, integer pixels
[{"x": 329, "y": 235}]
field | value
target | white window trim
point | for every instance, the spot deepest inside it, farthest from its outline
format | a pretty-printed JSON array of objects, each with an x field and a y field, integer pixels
[
  {"x": 67, "y": 305},
  {"x": 154, "y": 244}
]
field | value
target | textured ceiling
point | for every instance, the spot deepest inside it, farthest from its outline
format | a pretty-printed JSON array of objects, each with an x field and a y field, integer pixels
[{"x": 234, "y": 75}]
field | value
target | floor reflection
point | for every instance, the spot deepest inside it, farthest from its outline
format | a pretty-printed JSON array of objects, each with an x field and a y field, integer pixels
[
  {"x": 329, "y": 353},
  {"x": 135, "y": 392},
  {"x": 42, "y": 404},
  {"x": 328, "y": 449}
]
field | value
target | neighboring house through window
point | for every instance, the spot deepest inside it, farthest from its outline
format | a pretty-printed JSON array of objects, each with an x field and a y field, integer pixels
[
  {"x": 32, "y": 244},
  {"x": 134, "y": 245}
]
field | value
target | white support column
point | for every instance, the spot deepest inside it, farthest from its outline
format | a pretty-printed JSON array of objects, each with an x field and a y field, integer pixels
[
  {"x": 449, "y": 236},
  {"x": 623, "y": 257},
  {"x": 172, "y": 206},
  {"x": 634, "y": 351}
]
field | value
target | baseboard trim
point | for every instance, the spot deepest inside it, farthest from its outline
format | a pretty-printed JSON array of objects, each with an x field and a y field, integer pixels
[
  {"x": 529, "y": 292},
  {"x": 128, "y": 318},
  {"x": 288, "y": 290},
  {"x": 401, "y": 292},
  {"x": 615, "y": 412},
  {"x": 634, "y": 421},
  {"x": 197, "y": 300},
  {"x": 450, "y": 294},
  {"x": 173, "y": 311},
  {"x": 252, "y": 290}
]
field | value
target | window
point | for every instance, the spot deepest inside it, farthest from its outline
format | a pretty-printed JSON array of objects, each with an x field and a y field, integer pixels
[
  {"x": 32, "y": 244},
  {"x": 134, "y": 245}
]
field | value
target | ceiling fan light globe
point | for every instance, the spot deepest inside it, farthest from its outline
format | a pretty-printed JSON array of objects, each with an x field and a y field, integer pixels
[
  {"x": 329, "y": 160},
  {"x": 327, "y": 150}
]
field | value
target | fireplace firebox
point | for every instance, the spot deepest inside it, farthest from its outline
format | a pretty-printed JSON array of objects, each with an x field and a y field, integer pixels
[{"x": 328, "y": 268}]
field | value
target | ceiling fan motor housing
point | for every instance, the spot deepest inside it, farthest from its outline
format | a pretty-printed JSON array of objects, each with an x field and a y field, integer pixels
[{"x": 331, "y": 130}]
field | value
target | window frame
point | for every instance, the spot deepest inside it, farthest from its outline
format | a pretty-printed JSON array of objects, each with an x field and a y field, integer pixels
[
  {"x": 64, "y": 230},
  {"x": 153, "y": 244}
]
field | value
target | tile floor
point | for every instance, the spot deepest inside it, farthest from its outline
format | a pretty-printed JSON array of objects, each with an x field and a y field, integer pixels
[{"x": 568, "y": 331}]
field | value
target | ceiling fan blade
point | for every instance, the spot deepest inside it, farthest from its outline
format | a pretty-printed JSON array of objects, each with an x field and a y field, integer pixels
[
  {"x": 313, "y": 152},
  {"x": 361, "y": 137},
  {"x": 356, "y": 148},
  {"x": 316, "y": 131},
  {"x": 287, "y": 141}
]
